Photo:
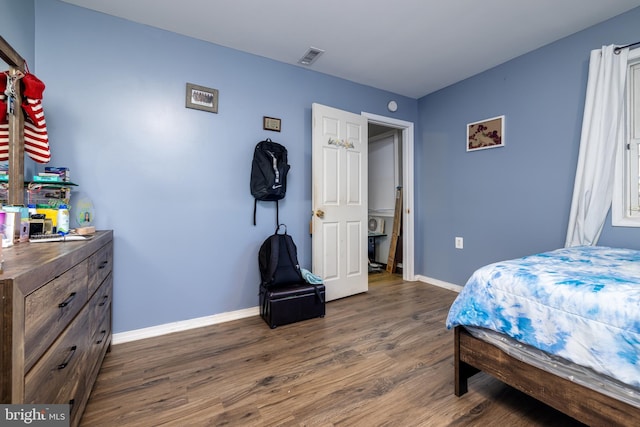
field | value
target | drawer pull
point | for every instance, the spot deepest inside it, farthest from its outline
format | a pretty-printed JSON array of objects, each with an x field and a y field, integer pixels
[
  {"x": 68, "y": 359},
  {"x": 68, "y": 300},
  {"x": 104, "y": 300},
  {"x": 104, "y": 333},
  {"x": 103, "y": 264}
]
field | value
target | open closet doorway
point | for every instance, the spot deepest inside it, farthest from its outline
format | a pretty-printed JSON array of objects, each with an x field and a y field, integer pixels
[{"x": 390, "y": 167}]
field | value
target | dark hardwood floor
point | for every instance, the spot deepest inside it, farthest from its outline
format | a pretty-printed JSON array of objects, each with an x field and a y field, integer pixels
[{"x": 383, "y": 358}]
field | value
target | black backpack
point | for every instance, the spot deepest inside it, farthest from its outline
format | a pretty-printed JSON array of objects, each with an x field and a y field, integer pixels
[
  {"x": 278, "y": 261},
  {"x": 268, "y": 174}
]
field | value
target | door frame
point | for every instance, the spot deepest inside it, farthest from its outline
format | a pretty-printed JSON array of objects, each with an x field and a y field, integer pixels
[{"x": 408, "y": 225}]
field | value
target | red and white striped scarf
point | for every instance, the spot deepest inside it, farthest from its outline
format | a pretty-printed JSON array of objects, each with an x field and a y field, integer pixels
[
  {"x": 4, "y": 123},
  {"x": 36, "y": 138}
]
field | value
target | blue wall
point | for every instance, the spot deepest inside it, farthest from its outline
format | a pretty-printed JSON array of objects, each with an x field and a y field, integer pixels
[
  {"x": 17, "y": 27},
  {"x": 515, "y": 200},
  {"x": 173, "y": 183}
]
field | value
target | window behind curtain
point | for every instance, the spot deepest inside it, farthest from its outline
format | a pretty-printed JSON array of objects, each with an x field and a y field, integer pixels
[{"x": 626, "y": 195}]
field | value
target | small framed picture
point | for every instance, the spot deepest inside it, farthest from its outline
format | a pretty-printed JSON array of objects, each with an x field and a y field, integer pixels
[
  {"x": 484, "y": 134},
  {"x": 271, "y": 123},
  {"x": 202, "y": 98}
]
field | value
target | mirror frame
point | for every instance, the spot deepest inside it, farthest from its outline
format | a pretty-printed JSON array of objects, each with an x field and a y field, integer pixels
[{"x": 16, "y": 129}]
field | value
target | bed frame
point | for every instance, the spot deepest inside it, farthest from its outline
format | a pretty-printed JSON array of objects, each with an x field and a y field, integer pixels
[{"x": 473, "y": 355}]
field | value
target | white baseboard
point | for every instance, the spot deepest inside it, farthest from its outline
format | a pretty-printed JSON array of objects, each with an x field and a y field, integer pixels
[
  {"x": 167, "y": 328},
  {"x": 439, "y": 283},
  {"x": 155, "y": 331}
]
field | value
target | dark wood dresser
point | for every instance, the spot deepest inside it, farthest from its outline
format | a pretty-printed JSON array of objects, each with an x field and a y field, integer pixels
[{"x": 55, "y": 320}]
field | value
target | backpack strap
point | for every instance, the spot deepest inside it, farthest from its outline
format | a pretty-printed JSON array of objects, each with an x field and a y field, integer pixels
[
  {"x": 263, "y": 290},
  {"x": 273, "y": 257},
  {"x": 290, "y": 251},
  {"x": 255, "y": 207}
]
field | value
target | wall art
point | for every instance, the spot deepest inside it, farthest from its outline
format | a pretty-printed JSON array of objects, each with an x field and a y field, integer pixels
[
  {"x": 202, "y": 98},
  {"x": 484, "y": 134}
]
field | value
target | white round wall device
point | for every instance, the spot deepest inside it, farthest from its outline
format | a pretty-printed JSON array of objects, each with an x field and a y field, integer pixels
[{"x": 392, "y": 106}]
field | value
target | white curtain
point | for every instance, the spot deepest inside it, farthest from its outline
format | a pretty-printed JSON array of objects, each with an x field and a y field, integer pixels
[{"x": 602, "y": 131}]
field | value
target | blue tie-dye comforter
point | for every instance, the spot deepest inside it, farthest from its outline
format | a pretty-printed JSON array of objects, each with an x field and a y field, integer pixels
[{"x": 581, "y": 303}]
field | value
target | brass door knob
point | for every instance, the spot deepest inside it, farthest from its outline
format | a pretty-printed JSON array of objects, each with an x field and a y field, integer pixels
[{"x": 319, "y": 213}]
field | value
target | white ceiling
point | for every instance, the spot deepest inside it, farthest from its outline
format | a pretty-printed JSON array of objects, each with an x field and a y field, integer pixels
[{"x": 409, "y": 47}]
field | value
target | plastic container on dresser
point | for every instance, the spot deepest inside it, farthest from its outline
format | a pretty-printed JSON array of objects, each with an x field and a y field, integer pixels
[
  {"x": 50, "y": 194},
  {"x": 55, "y": 320}
]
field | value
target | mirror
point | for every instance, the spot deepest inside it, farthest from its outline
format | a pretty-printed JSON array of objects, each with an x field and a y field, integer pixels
[
  {"x": 4, "y": 127},
  {"x": 15, "y": 196}
]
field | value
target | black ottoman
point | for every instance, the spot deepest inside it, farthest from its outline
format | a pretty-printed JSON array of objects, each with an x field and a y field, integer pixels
[{"x": 292, "y": 303}]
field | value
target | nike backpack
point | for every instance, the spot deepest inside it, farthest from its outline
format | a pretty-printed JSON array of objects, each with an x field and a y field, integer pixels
[{"x": 269, "y": 174}]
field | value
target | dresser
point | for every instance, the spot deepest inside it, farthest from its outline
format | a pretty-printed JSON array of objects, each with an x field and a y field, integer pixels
[{"x": 55, "y": 320}]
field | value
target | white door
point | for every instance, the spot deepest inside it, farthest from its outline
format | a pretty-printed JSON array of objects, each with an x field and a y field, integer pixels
[{"x": 339, "y": 201}]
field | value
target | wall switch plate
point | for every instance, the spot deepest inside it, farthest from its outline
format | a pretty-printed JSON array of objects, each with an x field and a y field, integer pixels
[{"x": 459, "y": 242}]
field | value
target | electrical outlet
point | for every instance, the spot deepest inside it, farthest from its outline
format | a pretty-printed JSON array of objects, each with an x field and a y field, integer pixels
[{"x": 459, "y": 243}]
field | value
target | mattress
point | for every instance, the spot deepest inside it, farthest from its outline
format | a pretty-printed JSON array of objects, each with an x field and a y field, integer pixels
[
  {"x": 559, "y": 367},
  {"x": 581, "y": 304}
]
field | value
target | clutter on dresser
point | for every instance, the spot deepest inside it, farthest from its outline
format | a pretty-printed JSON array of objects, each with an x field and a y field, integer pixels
[
  {"x": 50, "y": 188},
  {"x": 47, "y": 213},
  {"x": 73, "y": 237},
  {"x": 49, "y": 201},
  {"x": 14, "y": 225}
]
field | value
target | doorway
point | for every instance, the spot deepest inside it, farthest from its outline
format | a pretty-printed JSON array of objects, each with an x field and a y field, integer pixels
[
  {"x": 339, "y": 249},
  {"x": 384, "y": 180},
  {"x": 380, "y": 129}
]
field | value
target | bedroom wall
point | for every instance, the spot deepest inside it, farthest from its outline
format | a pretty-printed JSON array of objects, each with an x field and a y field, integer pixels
[
  {"x": 17, "y": 26},
  {"x": 173, "y": 183},
  {"x": 515, "y": 200}
]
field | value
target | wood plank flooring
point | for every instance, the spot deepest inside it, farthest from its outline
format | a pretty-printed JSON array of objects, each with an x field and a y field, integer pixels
[{"x": 382, "y": 358}]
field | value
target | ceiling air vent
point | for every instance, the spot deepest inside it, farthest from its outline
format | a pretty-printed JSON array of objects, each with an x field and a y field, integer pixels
[{"x": 310, "y": 56}]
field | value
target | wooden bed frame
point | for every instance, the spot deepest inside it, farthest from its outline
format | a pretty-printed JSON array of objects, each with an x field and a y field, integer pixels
[{"x": 473, "y": 355}]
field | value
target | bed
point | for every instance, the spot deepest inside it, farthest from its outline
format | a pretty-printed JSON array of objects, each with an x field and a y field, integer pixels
[{"x": 562, "y": 326}]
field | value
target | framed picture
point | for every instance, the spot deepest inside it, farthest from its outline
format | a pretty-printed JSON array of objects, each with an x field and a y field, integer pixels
[
  {"x": 202, "y": 98},
  {"x": 271, "y": 123},
  {"x": 484, "y": 134}
]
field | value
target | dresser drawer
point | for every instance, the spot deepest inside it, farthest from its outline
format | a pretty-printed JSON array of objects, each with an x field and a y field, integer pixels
[
  {"x": 100, "y": 265},
  {"x": 58, "y": 376},
  {"x": 98, "y": 346},
  {"x": 100, "y": 303},
  {"x": 49, "y": 310}
]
